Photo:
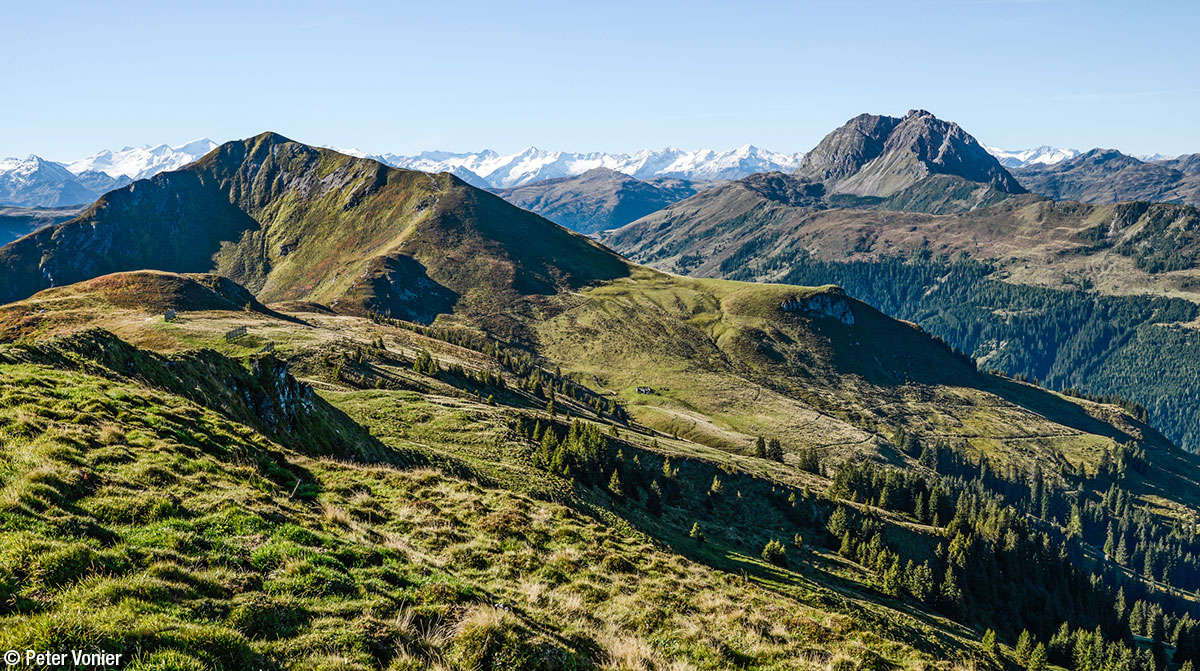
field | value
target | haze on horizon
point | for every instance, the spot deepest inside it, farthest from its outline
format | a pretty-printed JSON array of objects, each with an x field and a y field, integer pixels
[{"x": 410, "y": 77}]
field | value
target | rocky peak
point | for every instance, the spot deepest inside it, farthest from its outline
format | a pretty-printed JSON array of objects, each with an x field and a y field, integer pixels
[{"x": 879, "y": 155}]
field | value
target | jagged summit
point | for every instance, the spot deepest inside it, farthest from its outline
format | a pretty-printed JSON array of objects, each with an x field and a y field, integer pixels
[{"x": 880, "y": 155}]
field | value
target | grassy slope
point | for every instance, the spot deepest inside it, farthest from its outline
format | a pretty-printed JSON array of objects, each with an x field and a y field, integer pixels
[
  {"x": 138, "y": 521},
  {"x": 397, "y": 564},
  {"x": 726, "y": 367},
  {"x": 723, "y": 363}
]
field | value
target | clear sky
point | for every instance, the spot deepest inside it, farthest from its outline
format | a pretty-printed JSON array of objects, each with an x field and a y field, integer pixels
[{"x": 77, "y": 77}]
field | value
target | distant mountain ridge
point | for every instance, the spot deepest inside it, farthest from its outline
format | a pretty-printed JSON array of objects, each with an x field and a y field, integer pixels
[
  {"x": 599, "y": 199},
  {"x": 534, "y": 165},
  {"x": 1043, "y": 155},
  {"x": 1108, "y": 176},
  {"x": 37, "y": 182},
  {"x": 142, "y": 162}
]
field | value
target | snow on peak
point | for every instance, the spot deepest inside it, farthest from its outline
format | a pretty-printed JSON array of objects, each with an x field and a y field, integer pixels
[
  {"x": 1043, "y": 155},
  {"x": 532, "y": 164},
  {"x": 142, "y": 162}
]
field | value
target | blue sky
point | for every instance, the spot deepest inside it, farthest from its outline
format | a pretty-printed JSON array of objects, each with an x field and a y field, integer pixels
[{"x": 612, "y": 76}]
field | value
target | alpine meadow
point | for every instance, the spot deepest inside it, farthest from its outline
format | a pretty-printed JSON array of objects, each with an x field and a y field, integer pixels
[{"x": 904, "y": 401}]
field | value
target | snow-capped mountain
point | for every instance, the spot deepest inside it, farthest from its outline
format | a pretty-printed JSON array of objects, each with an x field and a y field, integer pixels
[
  {"x": 534, "y": 165},
  {"x": 36, "y": 182},
  {"x": 1148, "y": 158},
  {"x": 142, "y": 162},
  {"x": 1043, "y": 155}
]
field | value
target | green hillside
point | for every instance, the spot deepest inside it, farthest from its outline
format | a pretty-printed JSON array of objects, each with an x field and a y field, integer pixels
[{"x": 1076, "y": 296}]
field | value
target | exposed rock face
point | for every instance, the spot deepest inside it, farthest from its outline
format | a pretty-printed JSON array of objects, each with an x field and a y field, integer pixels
[
  {"x": 847, "y": 149},
  {"x": 831, "y": 304},
  {"x": 879, "y": 155}
]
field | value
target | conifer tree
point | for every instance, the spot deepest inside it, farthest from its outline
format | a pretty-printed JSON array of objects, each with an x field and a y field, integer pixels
[
  {"x": 920, "y": 582},
  {"x": 614, "y": 484},
  {"x": 846, "y": 549},
  {"x": 1037, "y": 659},
  {"x": 716, "y": 488},
  {"x": 775, "y": 450},
  {"x": 893, "y": 578},
  {"x": 989, "y": 644},
  {"x": 654, "y": 499},
  {"x": 839, "y": 522},
  {"x": 1024, "y": 646}
]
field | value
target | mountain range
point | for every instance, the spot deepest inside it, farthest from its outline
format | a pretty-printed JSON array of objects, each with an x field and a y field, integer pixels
[
  {"x": 36, "y": 182},
  {"x": 532, "y": 164},
  {"x": 599, "y": 199},
  {"x": 288, "y": 408},
  {"x": 1043, "y": 155},
  {"x": 142, "y": 162},
  {"x": 1108, "y": 176}
]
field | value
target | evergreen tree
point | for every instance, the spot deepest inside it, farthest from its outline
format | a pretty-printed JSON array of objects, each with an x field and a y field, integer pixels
[
  {"x": 1024, "y": 646},
  {"x": 668, "y": 472},
  {"x": 1037, "y": 659},
  {"x": 696, "y": 534},
  {"x": 654, "y": 499},
  {"x": 893, "y": 578},
  {"x": 614, "y": 484},
  {"x": 760, "y": 448},
  {"x": 839, "y": 522},
  {"x": 846, "y": 549},
  {"x": 716, "y": 489},
  {"x": 920, "y": 582},
  {"x": 775, "y": 450},
  {"x": 989, "y": 644},
  {"x": 951, "y": 592}
]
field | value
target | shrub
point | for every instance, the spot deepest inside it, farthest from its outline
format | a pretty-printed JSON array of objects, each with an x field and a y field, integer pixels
[
  {"x": 775, "y": 553},
  {"x": 489, "y": 639}
]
